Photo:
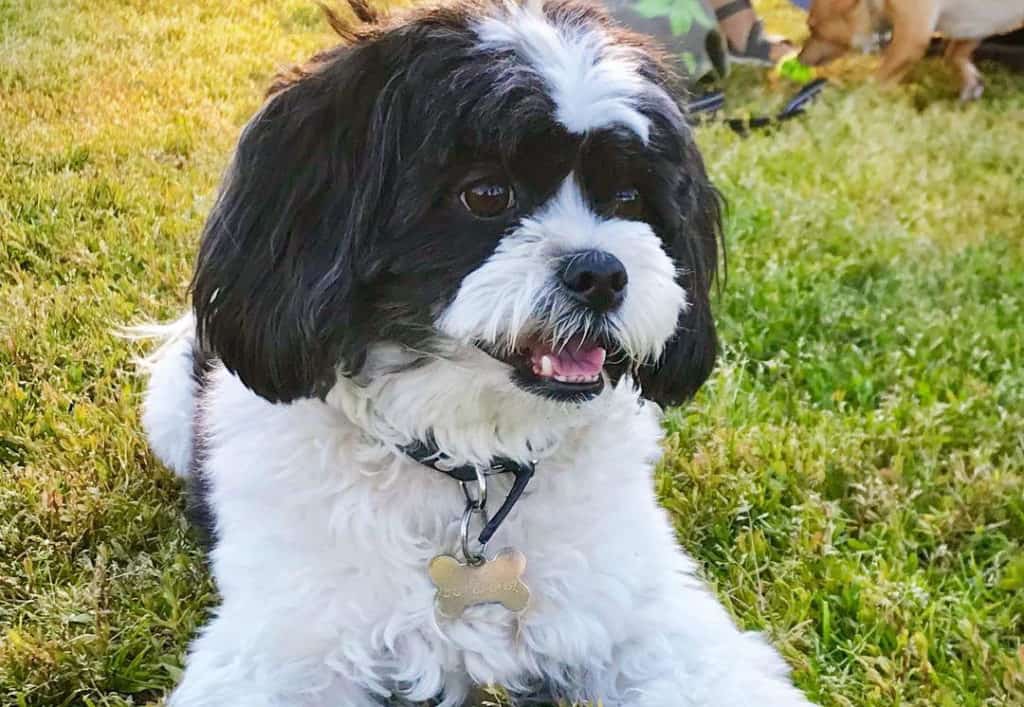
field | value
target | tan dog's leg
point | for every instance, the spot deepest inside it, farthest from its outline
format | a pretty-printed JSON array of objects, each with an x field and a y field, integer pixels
[
  {"x": 959, "y": 54},
  {"x": 912, "y": 27}
]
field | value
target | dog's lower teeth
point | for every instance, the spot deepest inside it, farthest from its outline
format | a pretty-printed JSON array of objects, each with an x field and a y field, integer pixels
[{"x": 575, "y": 379}]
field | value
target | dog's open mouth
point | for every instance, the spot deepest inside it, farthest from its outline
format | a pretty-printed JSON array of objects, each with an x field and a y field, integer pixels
[
  {"x": 577, "y": 363},
  {"x": 572, "y": 371}
]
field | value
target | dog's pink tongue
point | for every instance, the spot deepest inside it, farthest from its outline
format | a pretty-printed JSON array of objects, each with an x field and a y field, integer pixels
[{"x": 572, "y": 361}]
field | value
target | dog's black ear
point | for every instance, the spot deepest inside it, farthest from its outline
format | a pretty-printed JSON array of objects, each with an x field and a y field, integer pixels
[
  {"x": 275, "y": 287},
  {"x": 692, "y": 240}
]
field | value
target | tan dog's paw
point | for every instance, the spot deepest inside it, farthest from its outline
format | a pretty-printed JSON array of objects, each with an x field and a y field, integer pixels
[
  {"x": 498, "y": 581},
  {"x": 972, "y": 90}
]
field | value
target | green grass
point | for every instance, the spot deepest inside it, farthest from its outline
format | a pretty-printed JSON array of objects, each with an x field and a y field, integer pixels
[{"x": 852, "y": 478}]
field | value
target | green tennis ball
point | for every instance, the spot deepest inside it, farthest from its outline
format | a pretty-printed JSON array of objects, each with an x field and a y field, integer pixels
[{"x": 791, "y": 68}]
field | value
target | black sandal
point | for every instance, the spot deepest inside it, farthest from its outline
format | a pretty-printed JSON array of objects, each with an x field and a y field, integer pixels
[{"x": 758, "y": 50}]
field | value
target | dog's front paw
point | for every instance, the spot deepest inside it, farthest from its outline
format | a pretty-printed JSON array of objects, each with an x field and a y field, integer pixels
[
  {"x": 759, "y": 671},
  {"x": 972, "y": 90}
]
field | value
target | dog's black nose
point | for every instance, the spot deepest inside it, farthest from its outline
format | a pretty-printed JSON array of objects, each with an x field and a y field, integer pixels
[{"x": 596, "y": 278}]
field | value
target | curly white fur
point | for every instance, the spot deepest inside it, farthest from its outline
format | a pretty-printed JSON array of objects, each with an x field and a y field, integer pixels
[{"x": 346, "y": 528}]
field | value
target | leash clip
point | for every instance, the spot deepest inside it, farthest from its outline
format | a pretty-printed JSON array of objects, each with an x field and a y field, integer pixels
[{"x": 476, "y": 504}]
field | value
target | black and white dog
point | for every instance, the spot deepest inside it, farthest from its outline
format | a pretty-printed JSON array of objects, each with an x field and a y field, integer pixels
[{"x": 477, "y": 236}]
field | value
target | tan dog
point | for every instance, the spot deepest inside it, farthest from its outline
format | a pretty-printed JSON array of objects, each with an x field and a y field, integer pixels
[{"x": 839, "y": 25}]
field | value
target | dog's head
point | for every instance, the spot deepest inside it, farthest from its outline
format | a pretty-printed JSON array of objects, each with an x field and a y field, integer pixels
[
  {"x": 836, "y": 26},
  {"x": 477, "y": 177}
]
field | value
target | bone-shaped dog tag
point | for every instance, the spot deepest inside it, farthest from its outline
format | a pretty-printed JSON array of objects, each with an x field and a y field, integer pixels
[{"x": 497, "y": 581}]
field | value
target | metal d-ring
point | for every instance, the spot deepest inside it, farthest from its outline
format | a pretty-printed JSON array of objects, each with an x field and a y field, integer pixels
[
  {"x": 480, "y": 501},
  {"x": 474, "y": 506}
]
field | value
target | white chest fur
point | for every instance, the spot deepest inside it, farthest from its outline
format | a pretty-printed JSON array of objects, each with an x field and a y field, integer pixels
[
  {"x": 343, "y": 531},
  {"x": 325, "y": 538}
]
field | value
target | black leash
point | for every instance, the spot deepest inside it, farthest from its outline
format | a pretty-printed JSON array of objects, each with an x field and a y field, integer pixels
[
  {"x": 429, "y": 455},
  {"x": 706, "y": 108}
]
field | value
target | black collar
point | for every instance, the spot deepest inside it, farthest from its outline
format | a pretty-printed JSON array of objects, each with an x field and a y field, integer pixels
[{"x": 428, "y": 454}]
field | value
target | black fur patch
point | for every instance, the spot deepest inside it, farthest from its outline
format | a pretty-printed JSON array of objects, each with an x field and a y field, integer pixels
[{"x": 197, "y": 503}]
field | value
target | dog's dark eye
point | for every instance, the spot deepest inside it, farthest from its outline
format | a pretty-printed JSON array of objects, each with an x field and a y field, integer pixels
[
  {"x": 628, "y": 204},
  {"x": 488, "y": 199}
]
